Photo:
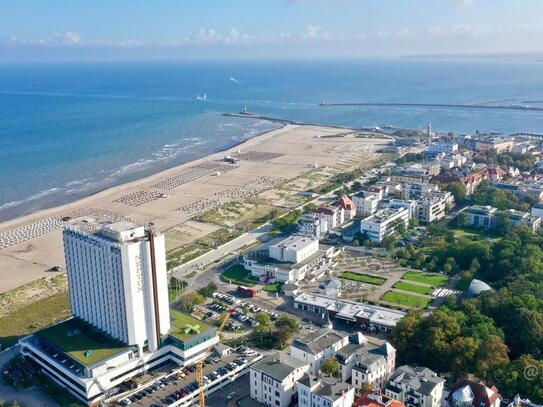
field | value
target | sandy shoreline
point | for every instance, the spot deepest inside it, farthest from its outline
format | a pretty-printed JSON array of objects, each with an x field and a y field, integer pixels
[
  {"x": 150, "y": 173},
  {"x": 144, "y": 179},
  {"x": 32, "y": 244}
]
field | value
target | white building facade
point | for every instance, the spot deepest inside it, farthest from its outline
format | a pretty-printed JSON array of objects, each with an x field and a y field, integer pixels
[
  {"x": 118, "y": 282},
  {"x": 273, "y": 380},
  {"x": 294, "y": 249},
  {"x": 383, "y": 223},
  {"x": 318, "y": 346},
  {"x": 324, "y": 392}
]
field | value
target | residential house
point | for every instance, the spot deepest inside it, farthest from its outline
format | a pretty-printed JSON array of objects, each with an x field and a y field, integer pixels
[{"x": 348, "y": 206}]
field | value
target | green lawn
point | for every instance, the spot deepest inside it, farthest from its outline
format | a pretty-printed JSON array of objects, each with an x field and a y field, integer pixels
[
  {"x": 33, "y": 317},
  {"x": 238, "y": 275},
  {"x": 467, "y": 233},
  {"x": 273, "y": 287},
  {"x": 82, "y": 342},
  {"x": 406, "y": 299},
  {"x": 435, "y": 280},
  {"x": 181, "y": 324},
  {"x": 419, "y": 289},
  {"x": 364, "y": 278}
]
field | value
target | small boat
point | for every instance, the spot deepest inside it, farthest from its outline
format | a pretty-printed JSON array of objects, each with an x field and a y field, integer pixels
[{"x": 198, "y": 97}]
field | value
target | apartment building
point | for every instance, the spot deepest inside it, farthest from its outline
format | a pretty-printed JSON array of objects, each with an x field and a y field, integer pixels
[
  {"x": 362, "y": 362},
  {"x": 416, "y": 387},
  {"x": 442, "y": 146},
  {"x": 274, "y": 379},
  {"x": 432, "y": 206},
  {"x": 383, "y": 223},
  {"x": 318, "y": 346},
  {"x": 324, "y": 391}
]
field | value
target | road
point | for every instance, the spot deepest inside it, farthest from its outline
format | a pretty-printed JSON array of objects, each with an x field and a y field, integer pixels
[{"x": 221, "y": 251}]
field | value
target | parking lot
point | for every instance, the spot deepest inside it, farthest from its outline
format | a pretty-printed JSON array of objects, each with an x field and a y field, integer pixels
[
  {"x": 181, "y": 389},
  {"x": 242, "y": 313}
]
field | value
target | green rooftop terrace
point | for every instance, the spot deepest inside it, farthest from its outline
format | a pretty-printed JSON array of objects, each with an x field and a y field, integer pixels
[
  {"x": 184, "y": 327},
  {"x": 82, "y": 342}
]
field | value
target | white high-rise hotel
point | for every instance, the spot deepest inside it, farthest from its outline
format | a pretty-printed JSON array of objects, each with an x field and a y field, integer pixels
[
  {"x": 117, "y": 281},
  {"x": 122, "y": 325}
]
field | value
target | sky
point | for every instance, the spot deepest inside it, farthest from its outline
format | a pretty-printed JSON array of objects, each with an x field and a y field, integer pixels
[{"x": 61, "y": 30}]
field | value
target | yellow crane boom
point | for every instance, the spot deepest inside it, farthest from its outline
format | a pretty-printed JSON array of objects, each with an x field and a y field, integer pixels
[{"x": 200, "y": 364}]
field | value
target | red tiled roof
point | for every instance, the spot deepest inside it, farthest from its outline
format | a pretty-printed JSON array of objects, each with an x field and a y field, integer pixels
[
  {"x": 326, "y": 210},
  {"x": 372, "y": 399},
  {"x": 345, "y": 203}
]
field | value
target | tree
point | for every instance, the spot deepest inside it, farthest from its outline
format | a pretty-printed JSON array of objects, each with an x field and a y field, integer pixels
[
  {"x": 365, "y": 387},
  {"x": 492, "y": 358},
  {"x": 208, "y": 290},
  {"x": 330, "y": 367},
  {"x": 264, "y": 322},
  {"x": 462, "y": 219},
  {"x": 458, "y": 191},
  {"x": 529, "y": 379},
  {"x": 188, "y": 301},
  {"x": 287, "y": 323},
  {"x": 286, "y": 327},
  {"x": 288, "y": 222},
  {"x": 463, "y": 352},
  {"x": 399, "y": 228},
  {"x": 404, "y": 335},
  {"x": 503, "y": 224},
  {"x": 357, "y": 186}
]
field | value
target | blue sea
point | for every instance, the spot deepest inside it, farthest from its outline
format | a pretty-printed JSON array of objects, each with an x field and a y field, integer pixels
[{"x": 70, "y": 130}]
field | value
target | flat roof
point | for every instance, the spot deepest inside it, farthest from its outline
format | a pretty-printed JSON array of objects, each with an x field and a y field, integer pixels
[
  {"x": 295, "y": 242},
  {"x": 384, "y": 215},
  {"x": 82, "y": 342},
  {"x": 185, "y": 327},
  {"x": 351, "y": 310}
]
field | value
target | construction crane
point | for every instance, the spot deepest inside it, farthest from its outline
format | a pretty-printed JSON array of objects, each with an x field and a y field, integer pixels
[{"x": 200, "y": 364}]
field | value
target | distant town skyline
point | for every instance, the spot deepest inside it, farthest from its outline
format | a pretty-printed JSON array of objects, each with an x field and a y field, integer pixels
[{"x": 34, "y": 30}]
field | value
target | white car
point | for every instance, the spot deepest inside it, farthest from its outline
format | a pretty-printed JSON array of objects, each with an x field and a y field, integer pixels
[{"x": 231, "y": 395}]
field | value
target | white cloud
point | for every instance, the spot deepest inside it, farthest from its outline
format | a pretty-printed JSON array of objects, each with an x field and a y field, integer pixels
[
  {"x": 405, "y": 33},
  {"x": 66, "y": 39},
  {"x": 434, "y": 30},
  {"x": 71, "y": 38},
  {"x": 310, "y": 31},
  {"x": 470, "y": 31}
]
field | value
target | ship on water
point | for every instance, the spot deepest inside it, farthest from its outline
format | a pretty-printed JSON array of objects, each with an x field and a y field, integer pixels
[{"x": 204, "y": 97}]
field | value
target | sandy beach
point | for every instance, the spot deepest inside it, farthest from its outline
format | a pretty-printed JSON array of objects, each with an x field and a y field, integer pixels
[{"x": 31, "y": 245}]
